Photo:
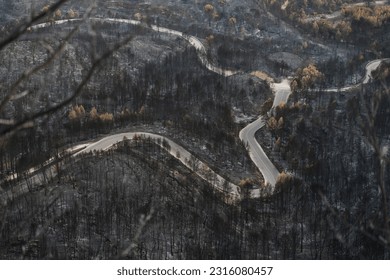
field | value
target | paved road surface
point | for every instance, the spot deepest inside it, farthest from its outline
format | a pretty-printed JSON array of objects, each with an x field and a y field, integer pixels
[
  {"x": 282, "y": 91},
  {"x": 176, "y": 151},
  {"x": 266, "y": 167}
]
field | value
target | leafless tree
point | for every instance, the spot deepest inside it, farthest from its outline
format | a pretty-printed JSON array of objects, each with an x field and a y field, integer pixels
[
  {"x": 368, "y": 122},
  {"x": 13, "y": 125}
]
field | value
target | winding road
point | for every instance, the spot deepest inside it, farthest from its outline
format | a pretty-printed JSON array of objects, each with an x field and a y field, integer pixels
[
  {"x": 281, "y": 90},
  {"x": 195, "y": 42},
  {"x": 370, "y": 67},
  {"x": 257, "y": 154},
  {"x": 177, "y": 151}
]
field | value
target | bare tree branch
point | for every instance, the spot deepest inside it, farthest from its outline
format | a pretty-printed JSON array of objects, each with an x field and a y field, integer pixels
[
  {"x": 28, "y": 73},
  {"x": 143, "y": 221},
  {"x": 54, "y": 55},
  {"x": 22, "y": 28},
  {"x": 27, "y": 122}
]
